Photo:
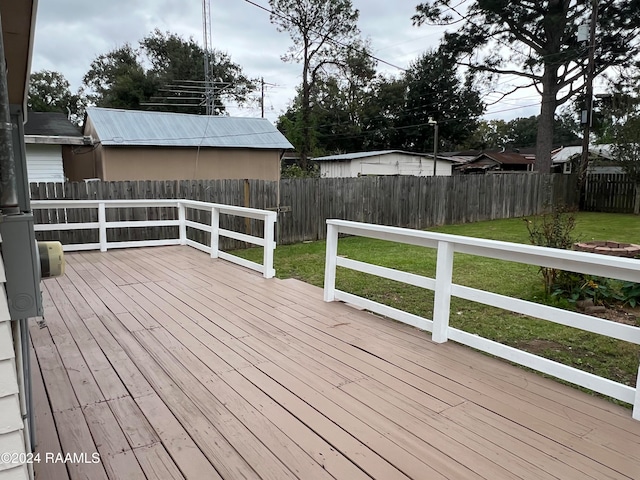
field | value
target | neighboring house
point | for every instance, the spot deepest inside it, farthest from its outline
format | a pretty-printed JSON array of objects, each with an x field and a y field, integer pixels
[
  {"x": 383, "y": 162},
  {"x": 499, "y": 162},
  {"x": 50, "y": 139},
  {"x": 145, "y": 145},
  {"x": 18, "y": 24},
  {"x": 601, "y": 159}
]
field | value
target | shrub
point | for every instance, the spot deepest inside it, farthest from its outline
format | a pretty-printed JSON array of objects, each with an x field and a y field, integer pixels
[{"x": 555, "y": 230}]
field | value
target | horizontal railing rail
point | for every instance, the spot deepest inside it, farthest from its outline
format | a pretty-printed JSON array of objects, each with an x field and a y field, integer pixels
[
  {"x": 267, "y": 241},
  {"x": 444, "y": 288}
]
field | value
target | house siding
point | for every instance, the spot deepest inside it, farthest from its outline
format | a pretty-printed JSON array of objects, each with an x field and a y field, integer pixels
[
  {"x": 11, "y": 423},
  {"x": 387, "y": 164},
  {"x": 44, "y": 163}
]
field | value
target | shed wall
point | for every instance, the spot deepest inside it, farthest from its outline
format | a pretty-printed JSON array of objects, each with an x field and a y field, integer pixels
[
  {"x": 388, "y": 164},
  {"x": 163, "y": 163}
]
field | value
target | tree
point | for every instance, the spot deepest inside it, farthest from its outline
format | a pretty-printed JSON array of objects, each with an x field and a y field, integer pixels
[
  {"x": 322, "y": 32},
  {"x": 119, "y": 79},
  {"x": 178, "y": 61},
  {"x": 435, "y": 91},
  {"x": 624, "y": 128},
  {"x": 51, "y": 92},
  {"x": 537, "y": 42}
]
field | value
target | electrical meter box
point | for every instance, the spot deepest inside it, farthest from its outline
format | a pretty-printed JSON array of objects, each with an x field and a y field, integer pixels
[{"x": 21, "y": 266}]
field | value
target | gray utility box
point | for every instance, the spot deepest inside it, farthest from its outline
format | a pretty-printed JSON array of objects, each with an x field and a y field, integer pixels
[{"x": 21, "y": 266}]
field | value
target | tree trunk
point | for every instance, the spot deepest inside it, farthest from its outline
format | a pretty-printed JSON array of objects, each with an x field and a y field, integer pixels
[
  {"x": 636, "y": 204},
  {"x": 544, "y": 142},
  {"x": 305, "y": 147}
]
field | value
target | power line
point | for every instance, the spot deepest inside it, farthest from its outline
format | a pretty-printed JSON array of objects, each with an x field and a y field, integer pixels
[{"x": 337, "y": 42}]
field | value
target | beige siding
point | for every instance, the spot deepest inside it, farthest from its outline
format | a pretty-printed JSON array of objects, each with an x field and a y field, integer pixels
[
  {"x": 11, "y": 424},
  {"x": 165, "y": 163}
]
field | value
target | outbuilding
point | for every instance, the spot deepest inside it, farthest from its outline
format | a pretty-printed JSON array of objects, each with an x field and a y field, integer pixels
[
  {"x": 50, "y": 139},
  {"x": 148, "y": 145},
  {"x": 383, "y": 162}
]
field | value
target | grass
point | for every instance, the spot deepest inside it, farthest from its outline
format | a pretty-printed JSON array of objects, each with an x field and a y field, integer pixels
[{"x": 609, "y": 358}]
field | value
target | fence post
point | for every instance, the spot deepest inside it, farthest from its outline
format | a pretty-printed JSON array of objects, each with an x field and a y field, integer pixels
[
  {"x": 636, "y": 404},
  {"x": 102, "y": 229},
  {"x": 182, "y": 220},
  {"x": 269, "y": 245},
  {"x": 331, "y": 263},
  {"x": 442, "y": 301},
  {"x": 215, "y": 231}
]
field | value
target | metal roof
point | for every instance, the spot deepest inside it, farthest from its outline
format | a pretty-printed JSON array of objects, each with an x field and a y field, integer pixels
[
  {"x": 506, "y": 158},
  {"x": 567, "y": 153},
  {"x": 116, "y": 127},
  {"x": 356, "y": 155}
]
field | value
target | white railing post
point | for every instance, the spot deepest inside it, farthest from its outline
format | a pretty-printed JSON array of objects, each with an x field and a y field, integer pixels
[
  {"x": 269, "y": 245},
  {"x": 442, "y": 300},
  {"x": 182, "y": 219},
  {"x": 102, "y": 220},
  {"x": 331, "y": 262},
  {"x": 215, "y": 232},
  {"x": 636, "y": 404}
]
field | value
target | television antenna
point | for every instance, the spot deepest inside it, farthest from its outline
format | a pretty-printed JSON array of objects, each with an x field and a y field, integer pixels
[{"x": 207, "y": 44}]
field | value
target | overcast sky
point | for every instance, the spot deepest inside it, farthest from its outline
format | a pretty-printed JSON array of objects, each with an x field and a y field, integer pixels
[{"x": 71, "y": 33}]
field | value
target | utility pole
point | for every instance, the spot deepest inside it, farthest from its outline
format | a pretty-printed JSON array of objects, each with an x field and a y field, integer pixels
[
  {"x": 435, "y": 144},
  {"x": 587, "y": 114},
  {"x": 262, "y": 96}
]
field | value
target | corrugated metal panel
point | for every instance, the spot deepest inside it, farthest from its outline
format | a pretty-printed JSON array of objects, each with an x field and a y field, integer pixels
[
  {"x": 355, "y": 155},
  {"x": 44, "y": 163},
  {"x": 132, "y": 127}
]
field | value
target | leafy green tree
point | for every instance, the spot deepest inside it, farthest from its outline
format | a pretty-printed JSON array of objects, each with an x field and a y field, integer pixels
[
  {"x": 435, "y": 91},
  {"x": 322, "y": 32},
  {"x": 383, "y": 110},
  {"x": 623, "y": 119},
  {"x": 537, "y": 42},
  {"x": 119, "y": 79},
  {"x": 521, "y": 133},
  {"x": 51, "y": 92},
  {"x": 178, "y": 61}
]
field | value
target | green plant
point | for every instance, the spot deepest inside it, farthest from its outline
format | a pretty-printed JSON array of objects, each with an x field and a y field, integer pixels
[
  {"x": 554, "y": 230},
  {"x": 295, "y": 171},
  {"x": 630, "y": 293}
]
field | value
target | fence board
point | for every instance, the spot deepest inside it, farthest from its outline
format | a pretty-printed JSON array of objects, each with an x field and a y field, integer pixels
[
  {"x": 610, "y": 193},
  {"x": 414, "y": 202}
]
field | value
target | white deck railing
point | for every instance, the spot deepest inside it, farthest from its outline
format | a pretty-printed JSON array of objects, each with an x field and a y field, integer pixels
[
  {"x": 267, "y": 242},
  {"x": 447, "y": 245}
]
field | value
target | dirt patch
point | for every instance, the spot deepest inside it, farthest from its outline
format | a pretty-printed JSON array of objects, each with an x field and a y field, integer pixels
[
  {"x": 537, "y": 346},
  {"x": 628, "y": 316}
]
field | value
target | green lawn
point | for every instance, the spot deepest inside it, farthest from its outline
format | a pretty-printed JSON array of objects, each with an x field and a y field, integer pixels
[{"x": 606, "y": 357}]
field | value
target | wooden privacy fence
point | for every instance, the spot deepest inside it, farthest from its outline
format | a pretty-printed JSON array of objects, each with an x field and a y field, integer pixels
[
  {"x": 305, "y": 204},
  {"x": 415, "y": 202},
  {"x": 613, "y": 193}
]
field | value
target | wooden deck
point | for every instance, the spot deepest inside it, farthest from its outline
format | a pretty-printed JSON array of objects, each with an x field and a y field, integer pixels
[{"x": 172, "y": 365}]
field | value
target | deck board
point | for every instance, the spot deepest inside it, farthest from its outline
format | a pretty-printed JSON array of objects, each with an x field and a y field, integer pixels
[{"x": 173, "y": 365}]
